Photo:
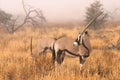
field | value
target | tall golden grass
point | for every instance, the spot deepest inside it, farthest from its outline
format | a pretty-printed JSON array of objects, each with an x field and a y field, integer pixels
[{"x": 16, "y": 62}]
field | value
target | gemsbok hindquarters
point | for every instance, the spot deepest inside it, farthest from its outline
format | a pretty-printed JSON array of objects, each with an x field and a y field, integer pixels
[
  {"x": 79, "y": 47},
  {"x": 43, "y": 45}
]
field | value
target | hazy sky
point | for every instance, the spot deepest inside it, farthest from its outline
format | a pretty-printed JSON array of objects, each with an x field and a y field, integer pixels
[{"x": 58, "y": 10}]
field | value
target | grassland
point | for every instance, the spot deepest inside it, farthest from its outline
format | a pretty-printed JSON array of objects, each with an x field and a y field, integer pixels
[{"x": 16, "y": 62}]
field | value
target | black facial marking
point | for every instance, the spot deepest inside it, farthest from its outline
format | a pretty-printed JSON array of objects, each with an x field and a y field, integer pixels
[{"x": 78, "y": 40}]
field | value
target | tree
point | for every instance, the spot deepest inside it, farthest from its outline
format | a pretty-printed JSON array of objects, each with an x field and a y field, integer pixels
[
  {"x": 94, "y": 9},
  {"x": 10, "y": 23},
  {"x": 4, "y": 17}
]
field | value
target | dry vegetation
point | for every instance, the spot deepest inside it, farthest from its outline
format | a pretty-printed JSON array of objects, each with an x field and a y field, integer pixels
[{"x": 16, "y": 62}]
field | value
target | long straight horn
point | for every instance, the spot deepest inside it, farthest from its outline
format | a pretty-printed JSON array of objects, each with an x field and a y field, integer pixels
[{"x": 91, "y": 22}]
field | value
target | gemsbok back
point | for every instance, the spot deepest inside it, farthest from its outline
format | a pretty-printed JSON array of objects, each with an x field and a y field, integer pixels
[{"x": 43, "y": 45}]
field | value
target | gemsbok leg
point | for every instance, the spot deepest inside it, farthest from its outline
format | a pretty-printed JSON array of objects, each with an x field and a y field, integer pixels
[
  {"x": 53, "y": 57},
  {"x": 81, "y": 60},
  {"x": 60, "y": 56}
]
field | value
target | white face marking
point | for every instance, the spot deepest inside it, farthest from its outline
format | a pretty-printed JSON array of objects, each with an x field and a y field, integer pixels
[
  {"x": 75, "y": 43},
  {"x": 81, "y": 40},
  {"x": 78, "y": 37}
]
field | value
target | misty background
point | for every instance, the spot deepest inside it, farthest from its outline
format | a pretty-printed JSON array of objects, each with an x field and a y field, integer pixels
[{"x": 60, "y": 10}]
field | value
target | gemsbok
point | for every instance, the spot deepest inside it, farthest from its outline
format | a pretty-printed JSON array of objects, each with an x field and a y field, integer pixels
[{"x": 79, "y": 47}]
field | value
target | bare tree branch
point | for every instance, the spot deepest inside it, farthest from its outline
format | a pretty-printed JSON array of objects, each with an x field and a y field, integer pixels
[
  {"x": 36, "y": 20},
  {"x": 23, "y": 4}
]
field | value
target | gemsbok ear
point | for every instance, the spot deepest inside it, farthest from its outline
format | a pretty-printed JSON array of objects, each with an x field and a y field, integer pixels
[{"x": 86, "y": 32}]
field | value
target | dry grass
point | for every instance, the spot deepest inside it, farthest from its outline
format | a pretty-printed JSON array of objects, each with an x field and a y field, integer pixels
[{"x": 16, "y": 62}]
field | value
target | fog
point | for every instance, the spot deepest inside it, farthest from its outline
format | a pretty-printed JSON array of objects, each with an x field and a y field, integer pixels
[{"x": 59, "y": 10}]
